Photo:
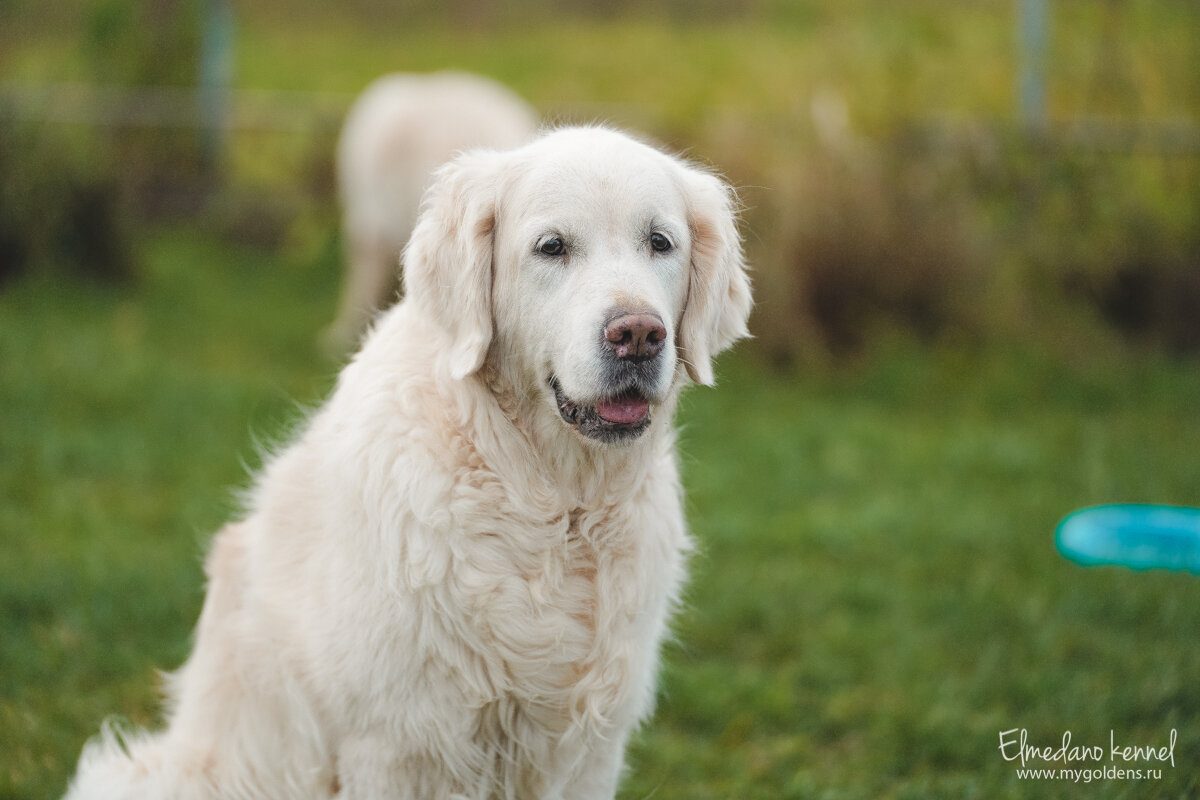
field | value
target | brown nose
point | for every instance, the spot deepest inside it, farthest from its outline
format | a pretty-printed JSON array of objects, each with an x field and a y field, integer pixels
[{"x": 635, "y": 337}]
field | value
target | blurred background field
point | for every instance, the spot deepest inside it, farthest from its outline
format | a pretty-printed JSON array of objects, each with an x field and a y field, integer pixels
[{"x": 973, "y": 317}]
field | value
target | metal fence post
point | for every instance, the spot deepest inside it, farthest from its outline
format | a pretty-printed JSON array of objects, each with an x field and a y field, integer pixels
[
  {"x": 1032, "y": 86},
  {"x": 215, "y": 79}
]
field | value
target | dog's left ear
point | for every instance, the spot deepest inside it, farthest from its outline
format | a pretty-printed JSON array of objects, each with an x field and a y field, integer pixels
[
  {"x": 718, "y": 302},
  {"x": 448, "y": 260}
]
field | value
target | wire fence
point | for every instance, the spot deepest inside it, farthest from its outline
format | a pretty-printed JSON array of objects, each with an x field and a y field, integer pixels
[
  {"x": 299, "y": 112},
  {"x": 217, "y": 110},
  {"x": 168, "y": 107}
]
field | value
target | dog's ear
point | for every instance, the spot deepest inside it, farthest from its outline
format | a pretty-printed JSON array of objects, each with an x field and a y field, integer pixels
[
  {"x": 718, "y": 301},
  {"x": 448, "y": 260}
]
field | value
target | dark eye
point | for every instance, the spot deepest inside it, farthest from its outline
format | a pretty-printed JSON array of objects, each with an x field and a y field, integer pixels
[
  {"x": 553, "y": 246},
  {"x": 659, "y": 243}
]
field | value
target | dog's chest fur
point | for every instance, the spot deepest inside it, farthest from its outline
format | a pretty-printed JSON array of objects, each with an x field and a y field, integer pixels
[
  {"x": 552, "y": 611},
  {"x": 555, "y": 619}
]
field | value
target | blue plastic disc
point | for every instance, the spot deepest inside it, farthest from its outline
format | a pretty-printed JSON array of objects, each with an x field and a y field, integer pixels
[{"x": 1133, "y": 535}]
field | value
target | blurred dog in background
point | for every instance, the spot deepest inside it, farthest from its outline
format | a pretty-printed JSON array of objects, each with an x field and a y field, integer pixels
[{"x": 399, "y": 130}]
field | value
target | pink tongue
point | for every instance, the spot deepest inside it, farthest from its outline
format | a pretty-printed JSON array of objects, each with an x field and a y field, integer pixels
[{"x": 624, "y": 409}]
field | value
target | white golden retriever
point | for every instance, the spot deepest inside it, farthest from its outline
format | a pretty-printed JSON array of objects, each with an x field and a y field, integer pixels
[
  {"x": 399, "y": 130},
  {"x": 455, "y": 582}
]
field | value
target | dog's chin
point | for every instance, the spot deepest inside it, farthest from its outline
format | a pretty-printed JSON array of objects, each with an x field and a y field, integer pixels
[{"x": 619, "y": 419}]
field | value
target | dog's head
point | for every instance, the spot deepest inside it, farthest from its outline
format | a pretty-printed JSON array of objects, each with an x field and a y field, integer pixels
[{"x": 587, "y": 268}]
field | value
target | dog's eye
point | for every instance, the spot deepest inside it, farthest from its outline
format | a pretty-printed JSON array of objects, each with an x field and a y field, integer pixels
[
  {"x": 554, "y": 246},
  {"x": 659, "y": 243}
]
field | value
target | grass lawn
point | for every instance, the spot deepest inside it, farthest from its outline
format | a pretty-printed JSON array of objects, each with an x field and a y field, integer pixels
[{"x": 877, "y": 594}]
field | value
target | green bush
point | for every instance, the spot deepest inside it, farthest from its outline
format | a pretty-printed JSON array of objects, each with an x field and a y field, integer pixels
[
  {"x": 57, "y": 214},
  {"x": 153, "y": 45},
  {"x": 1119, "y": 234},
  {"x": 981, "y": 231},
  {"x": 867, "y": 244}
]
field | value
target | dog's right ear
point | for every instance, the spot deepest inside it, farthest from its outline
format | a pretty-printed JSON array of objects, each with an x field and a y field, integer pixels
[{"x": 448, "y": 260}]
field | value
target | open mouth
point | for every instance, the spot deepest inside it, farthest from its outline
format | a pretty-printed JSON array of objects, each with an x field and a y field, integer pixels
[{"x": 620, "y": 417}]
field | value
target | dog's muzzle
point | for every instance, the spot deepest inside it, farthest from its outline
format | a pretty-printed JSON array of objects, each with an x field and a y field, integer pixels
[
  {"x": 631, "y": 345},
  {"x": 620, "y": 418}
]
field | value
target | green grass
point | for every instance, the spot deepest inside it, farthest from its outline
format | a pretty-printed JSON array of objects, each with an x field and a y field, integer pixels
[
  {"x": 129, "y": 417},
  {"x": 876, "y": 597},
  {"x": 879, "y": 595}
]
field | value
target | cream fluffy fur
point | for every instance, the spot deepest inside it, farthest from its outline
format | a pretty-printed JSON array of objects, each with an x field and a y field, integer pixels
[{"x": 442, "y": 588}]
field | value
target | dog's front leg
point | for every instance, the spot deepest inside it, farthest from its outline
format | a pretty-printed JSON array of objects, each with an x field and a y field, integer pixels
[
  {"x": 598, "y": 773},
  {"x": 369, "y": 767}
]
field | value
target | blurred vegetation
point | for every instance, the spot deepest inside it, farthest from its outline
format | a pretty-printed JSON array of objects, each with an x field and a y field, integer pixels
[
  {"x": 60, "y": 211},
  {"x": 1012, "y": 317},
  {"x": 924, "y": 209},
  {"x": 151, "y": 43},
  {"x": 143, "y": 42}
]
